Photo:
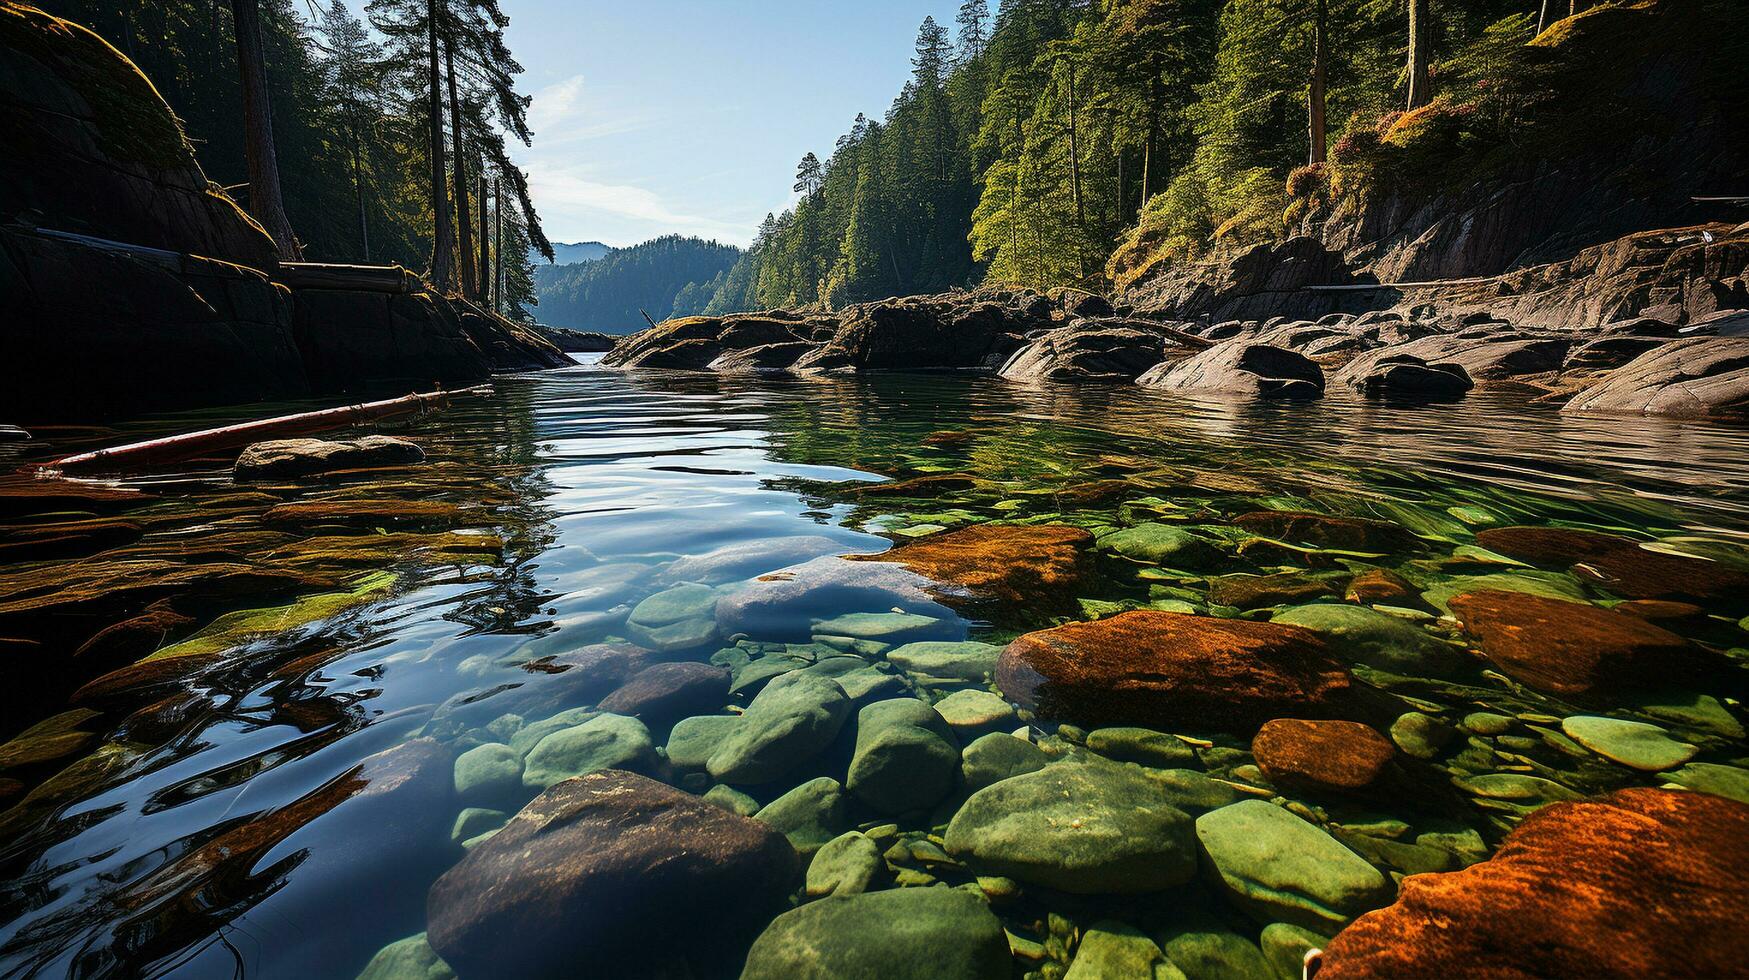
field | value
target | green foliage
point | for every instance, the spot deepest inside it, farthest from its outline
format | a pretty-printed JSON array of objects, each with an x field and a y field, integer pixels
[{"x": 667, "y": 277}]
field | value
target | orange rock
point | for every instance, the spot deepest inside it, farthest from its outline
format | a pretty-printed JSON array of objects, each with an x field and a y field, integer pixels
[
  {"x": 1568, "y": 648},
  {"x": 1382, "y": 586},
  {"x": 1172, "y": 671},
  {"x": 1551, "y": 547},
  {"x": 1025, "y": 566},
  {"x": 1636, "y": 573},
  {"x": 1340, "y": 756},
  {"x": 1642, "y": 883}
]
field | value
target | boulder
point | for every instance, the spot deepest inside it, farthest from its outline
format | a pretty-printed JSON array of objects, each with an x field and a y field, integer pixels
[
  {"x": 489, "y": 773},
  {"x": 407, "y": 959},
  {"x": 974, "y": 712},
  {"x": 1327, "y": 756},
  {"x": 1035, "y": 568},
  {"x": 1092, "y": 350},
  {"x": 665, "y": 693},
  {"x": 603, "y": 742},
  {"x": 1280, "y": 868},
  {"x": 1480, "y": 354},
  {"x": 1082, "y": 829},
  {"x": 998, "y": 756},
  {"x": 1259, "y": 591},
  {"x": 913, "y": 336},
  {"x": 1161, "y": 544},
  {"x": 1643, "y": 882},
  {"x": 1405, "y": 376},
  {"x": 1114, "y": 951},
  {"x": 1332, "y": 531},
  {"x": 1376, "y": 639},
  {"x": 1576, "y": 650},
  {"x": 303, "y": 457},
  {"x": 906, "y": 757},
  {"x": 792, "y": 720},
  {"x": 1634, "y": 744},
  {"x": 1241, "y": 368},
  {"x": 809, "y": 816},
  {"x": 754, "y": 557},
  {"x": 615, "y": 870},
  {"x": 766, "y": 358},
  {"x": 1551, "y": 547},
  {"x": 848, "y": 864},
  {"x": 900, "y": 934},
  {"x": 785, "y": 604},
  {"x": 1703, "y": 377},
  {"x": 965, "y": 661},
  {"x": 1172, "y": 671}
]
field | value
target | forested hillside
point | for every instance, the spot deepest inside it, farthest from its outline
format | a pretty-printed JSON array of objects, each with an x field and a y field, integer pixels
[
  {"x": 351, "y": 113},
  {"x": 670, "y": 276},
  {"x": 1032, "y": 146}
]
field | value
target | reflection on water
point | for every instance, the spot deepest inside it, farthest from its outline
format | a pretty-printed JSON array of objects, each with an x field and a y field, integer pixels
[{"x": 278, "y": 803}]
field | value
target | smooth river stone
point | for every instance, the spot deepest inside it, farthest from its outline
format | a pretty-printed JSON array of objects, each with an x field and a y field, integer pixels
[
  {"x": 1280, "y": 868},
  {"x": 488, "y": 773},
  {"x": 693, "y": 740},
  {"x": 996, "y": 757},
  {"x": 792, "y": 720},
  {"x": 972, "y": 712},
  {"x": 1634, "y": 744},
  {"x": 906, "y": 757},
  {"x": 1161, "y": 544},
  {"x": 1376, "y": 639},
  {"x": 1078, "y": 828},
  {"x": 966, "y": 660},
  {"x": 407, "y": 959},
  {"x": 890, "y": 627},
  {"x": 1116, "y": 950},
  {"x": 899, "y": 934},
  {"x": 603, "y": 742},
  {"x": 849, "y": 864},
  {"x": 810, "y": 815}
]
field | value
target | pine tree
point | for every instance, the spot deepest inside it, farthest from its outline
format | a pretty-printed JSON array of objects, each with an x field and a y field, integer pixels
[{"x": 809, "y": 176}]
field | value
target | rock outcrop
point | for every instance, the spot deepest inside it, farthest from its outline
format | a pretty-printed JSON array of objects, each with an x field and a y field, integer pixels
[
  {"x": 1706, "y": 377},
  {"x": 1238, "y": 367}
]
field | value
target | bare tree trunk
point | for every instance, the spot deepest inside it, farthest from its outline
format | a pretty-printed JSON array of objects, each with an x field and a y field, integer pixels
[
  {"x": 498, "y": 250},
  {"x": 485, "y": 239},
  {"x": 1542, "y": 16},
  {"x": 440, "y": 243},
  {"x": 464, "y": 219},
  {"x": 358, "y": 188},
  {"x": 1153, "y": 134},
  {"x": 1420, "y": 45},
  {"x": 1320, "y": 71},
  {"x": 1075, "y": 154},
  {"x": 265, "y": 202}
]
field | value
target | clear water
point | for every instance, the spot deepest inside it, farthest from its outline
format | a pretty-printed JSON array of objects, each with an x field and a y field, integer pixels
[{"x": 585, "y": 472}]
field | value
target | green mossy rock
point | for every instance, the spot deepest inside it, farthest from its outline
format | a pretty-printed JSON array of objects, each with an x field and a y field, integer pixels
[
  {"x": 1376, "y": 639},
  {"x": 790, "y": 722},
  {"x": 1206, "y": 951},
  {"x": 967, "y": 661},
  {"x": 1161, "y": 544},
  {"x": 996, "y": 757},
  {"x": 972, "y": 712},
  {"x": 1285, "y": 947},
  {"x": 692, "y": 740},
  {"x": 488, "y": 773},
  {"x": 1549, "y": 585},
  {"x": 1077, "y": 828},
  {"x": 1143, "y": 746},
  {"x": 474, "y": 821},
  {"x": 603, "y": 742},
  {"x": 906, "y": 757},
  {"x": 407, "y": 959},
  {"x": 1707, "y": 777},
  {"x": 1280, "y": 868},
  {"x": 849, "y": 864},
  {"x": 900, "y": 934},
  {"x": 1116, "y": 951},
  {"x": 1634, "y": 744},
  {"x": 810, "y": 815}
]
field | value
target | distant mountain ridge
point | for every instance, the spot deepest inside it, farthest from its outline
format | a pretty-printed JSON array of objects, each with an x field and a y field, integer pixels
[
  {"x": 571, "y": 253},
  {"x": 665, "y": 277}
]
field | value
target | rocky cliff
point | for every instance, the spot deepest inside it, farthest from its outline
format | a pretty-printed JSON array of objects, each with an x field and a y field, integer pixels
[{"x": 129, "y": 283}]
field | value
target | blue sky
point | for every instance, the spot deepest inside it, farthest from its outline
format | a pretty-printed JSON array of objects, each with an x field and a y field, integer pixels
[{"x": 688, "y": 116}]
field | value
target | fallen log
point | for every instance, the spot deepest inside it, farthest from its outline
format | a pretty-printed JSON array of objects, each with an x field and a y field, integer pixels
[
  {"x": 193, "y": 445},
  {"x": 391, "y": 279}
]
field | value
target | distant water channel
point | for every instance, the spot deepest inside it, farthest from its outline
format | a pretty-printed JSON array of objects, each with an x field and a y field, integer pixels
[{"x": 572, "y": 497}]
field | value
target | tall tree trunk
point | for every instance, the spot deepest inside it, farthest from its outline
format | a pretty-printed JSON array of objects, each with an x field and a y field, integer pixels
[
  {"x": 440, "y": 241},
  {"x": 1153, "y": 133},
  {"x": 358, "y": 190},
  {"x": 1014, "y": 194},
  {"x": 498, "y": 250},
  {"x": 464, "y": 219},
  {"x": 1075, "y": 177},
  {"x": 1420, "y": 47},
  {"x": 265, "y": 202},
  {"x": 1542, "y": 16},
  {"x": 485, "y": 239},
  {"x": 1320, "y": 69}
]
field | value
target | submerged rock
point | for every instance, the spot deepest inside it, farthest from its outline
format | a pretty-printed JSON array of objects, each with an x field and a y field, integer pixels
[
  {"x": 967, "y": 660},
  {"x": 809, "y": 816},
  {"x": 304, "y": 457},
  {"x": 1571, "y": 649},
  {"x": 906, "y": 757},
  {"x": 792, "y": 720},
  {"x": 663, "y": 693},
  {"x": 1643, "y": 882},
  {"x": 1338, "y": 756},
  {"x": 1634, "y": 744},
  {"x": 1161, "y": 544},
  {"x": 1077, "y": 828},
  {"x": 900, "y": 934},
  {"x": 996, "y": 757},
  {"x": 1242, "y": 368},
  {"x": 613, "y": 870},
  {"x": 604, "y": 742},
  {"x": 1114, "y": 950},
  {"x": 786, "y": 604},
  {"x": 1329, "y": 530},
  {"x": 1376, "y": 639},
  {"x": 1172, "y": 671},
  {"x": 848, "y": 864},
  {"x": 1030, "y": 568},
  {"x": 1280, "y": 868},
  {"x": 408, "y": 959}
]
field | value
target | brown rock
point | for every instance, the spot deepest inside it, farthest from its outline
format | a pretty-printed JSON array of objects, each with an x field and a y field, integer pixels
[
  {"x": 1328, "y": 530},
  {"x": 1334, "y": 756},
  {"x": 1258, "y": 591},
  {"x": 920, "y": 486},
  {"x": 1550, "y": 547},
  {"x": 665, "y": 693},
  {"x": 1636, "y": 573},
  {"x": 1571, "y": 649},
  {"x": 281, "y": 458},
  {"x": 1170, "y": 671},
  {"x": 1014, "y": 566},
  {"x": 1380, "y": 586},
  {"x": 616, "y": 871},
  {"x": 1662, "y": 611},
  {"x": 1642, "y": 883}
]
